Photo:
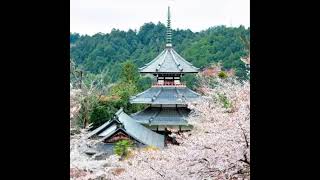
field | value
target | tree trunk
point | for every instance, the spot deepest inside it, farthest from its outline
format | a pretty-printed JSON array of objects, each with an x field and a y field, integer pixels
[{"x": 85, "y": 122}]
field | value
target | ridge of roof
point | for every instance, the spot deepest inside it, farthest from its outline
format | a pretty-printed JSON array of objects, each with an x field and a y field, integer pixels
[
  {"x": 156, "y": 95},
  {"x": 156, "y": 58},
  {"x": 183, "y": 59},
  {"x": 100, "y": 128},
  {"x": 139, "y": 132},
  {"x": 163, "y": 59},
  {"x": 175, "y": 60}
]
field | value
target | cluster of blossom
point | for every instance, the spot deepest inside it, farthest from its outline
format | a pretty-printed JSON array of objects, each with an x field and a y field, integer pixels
[
  {"x": 214, "y": 70},
  {"x": 74, "y": 102},
  {"x": 81, "y": 165},
  {"x": 246, "y": 61},
  {"x": 217, "y": 147}
]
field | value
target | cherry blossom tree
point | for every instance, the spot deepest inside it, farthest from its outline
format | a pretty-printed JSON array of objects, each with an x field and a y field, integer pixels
[
  {"x": 246, "y": 59},
  {"x": 84, "y": 98}
]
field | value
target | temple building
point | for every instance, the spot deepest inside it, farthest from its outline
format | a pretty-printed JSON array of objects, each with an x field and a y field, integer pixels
[
  {"x": 123, "y": 127},
  {"x": 167, "y": 101}
]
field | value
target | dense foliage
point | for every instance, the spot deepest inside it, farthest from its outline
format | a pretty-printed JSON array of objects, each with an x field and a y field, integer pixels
[
  {"x": 100, "y": 100},
  {"x": 106, "y": 52}
]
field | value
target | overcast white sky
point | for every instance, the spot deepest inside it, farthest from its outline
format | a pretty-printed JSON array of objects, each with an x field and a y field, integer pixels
[{"x": 93, "y": 16}]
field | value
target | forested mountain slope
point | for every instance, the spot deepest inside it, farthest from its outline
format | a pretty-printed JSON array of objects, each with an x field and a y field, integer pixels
[{"x": 105, "y": 52}]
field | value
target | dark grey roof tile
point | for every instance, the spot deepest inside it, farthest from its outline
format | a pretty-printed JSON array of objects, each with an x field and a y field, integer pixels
[{"x": 169, "y": 61}]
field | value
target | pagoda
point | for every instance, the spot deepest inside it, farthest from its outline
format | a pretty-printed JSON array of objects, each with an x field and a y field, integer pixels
[{"x": 168, "y": 97}]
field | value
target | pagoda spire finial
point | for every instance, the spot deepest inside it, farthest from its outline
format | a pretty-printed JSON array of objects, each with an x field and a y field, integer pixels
[{"x": 169, "y": 32}]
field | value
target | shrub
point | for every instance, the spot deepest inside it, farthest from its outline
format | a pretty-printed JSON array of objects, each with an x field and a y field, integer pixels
[
  {"x": 121, "y": 148},
  {"x": 224, "y": 100},
  {"x": 222, "y": 75}
]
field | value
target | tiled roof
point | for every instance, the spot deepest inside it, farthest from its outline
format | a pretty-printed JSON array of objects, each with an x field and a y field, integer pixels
[
  {"x": 169, "y": 61},
  {"x": 162, "y": 116},
  {"x": 131, "y": 127},
  {"x": 165, "y": 95}
]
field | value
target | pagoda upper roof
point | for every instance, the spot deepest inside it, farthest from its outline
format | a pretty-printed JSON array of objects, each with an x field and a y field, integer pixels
[
  {"x": 165, "y": 95},
  {"x": 169, "y": 61}
]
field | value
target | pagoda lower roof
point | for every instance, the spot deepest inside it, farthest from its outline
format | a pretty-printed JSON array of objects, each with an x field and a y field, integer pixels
[
  {"x": 162, "y": 116},
  {"x": 169, "y": 61},
  {"x": 165, "y": 95}
]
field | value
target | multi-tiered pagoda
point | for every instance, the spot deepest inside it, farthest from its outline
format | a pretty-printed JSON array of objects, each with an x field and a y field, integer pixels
[
  {"x": 167, "y": 100},
  {"x": 168, "y": 96}
]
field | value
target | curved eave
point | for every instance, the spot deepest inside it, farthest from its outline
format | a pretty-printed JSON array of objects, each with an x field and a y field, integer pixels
[
  {"x": 155, "y": 72},
  {"x": 197, "y": 70},
  {"x": 164, "y": 117},
  {"x": 164, "y": 102},
  {"x": 157, "y": 95}
]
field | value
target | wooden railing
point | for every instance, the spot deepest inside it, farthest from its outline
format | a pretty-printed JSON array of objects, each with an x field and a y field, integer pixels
[{"x": 168, "y": 84}]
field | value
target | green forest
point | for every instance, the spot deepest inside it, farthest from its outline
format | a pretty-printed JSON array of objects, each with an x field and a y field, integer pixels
[{"x": 104, "y": 53}]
